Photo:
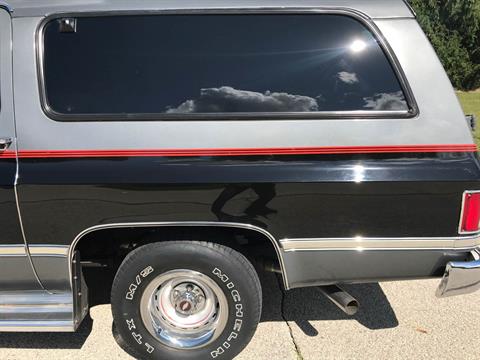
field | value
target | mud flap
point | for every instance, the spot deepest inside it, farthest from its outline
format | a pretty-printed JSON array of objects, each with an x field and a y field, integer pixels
[{"x": 80, "y": 291}]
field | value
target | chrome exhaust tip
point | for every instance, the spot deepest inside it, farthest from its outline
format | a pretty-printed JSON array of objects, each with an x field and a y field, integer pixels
[{"x": 347, "y": 303}]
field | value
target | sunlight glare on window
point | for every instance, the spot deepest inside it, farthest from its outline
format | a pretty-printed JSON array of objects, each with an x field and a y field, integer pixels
[{"x": 358, "y": 46}]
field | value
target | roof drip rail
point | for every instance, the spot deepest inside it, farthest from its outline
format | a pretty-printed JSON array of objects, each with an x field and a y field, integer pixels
[
  {"x": 410, "y": 7},
  {"x": 5, "y": 6}
]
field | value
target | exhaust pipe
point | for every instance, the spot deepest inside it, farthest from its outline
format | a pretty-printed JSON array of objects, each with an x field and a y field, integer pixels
[{"x": 347, "y": 303}]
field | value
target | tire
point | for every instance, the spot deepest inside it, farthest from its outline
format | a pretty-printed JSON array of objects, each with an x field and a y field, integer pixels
[{"x": 206, "y": 297}]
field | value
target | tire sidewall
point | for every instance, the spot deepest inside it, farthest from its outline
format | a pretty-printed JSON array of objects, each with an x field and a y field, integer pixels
[{"x": 144, "y": 265}]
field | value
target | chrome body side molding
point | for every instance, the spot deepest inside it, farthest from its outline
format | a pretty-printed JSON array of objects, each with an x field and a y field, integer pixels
[
  {"x": 35, "y": 250},
  {"x": 361, "y": 243},
  {"x": 311, "y": 244}
]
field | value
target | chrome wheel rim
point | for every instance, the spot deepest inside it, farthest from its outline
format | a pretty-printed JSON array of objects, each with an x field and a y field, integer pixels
[{"x": 184, "y": 309}]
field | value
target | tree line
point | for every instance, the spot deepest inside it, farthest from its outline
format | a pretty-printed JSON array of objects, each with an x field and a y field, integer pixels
[{"x": 453, "y": 27}]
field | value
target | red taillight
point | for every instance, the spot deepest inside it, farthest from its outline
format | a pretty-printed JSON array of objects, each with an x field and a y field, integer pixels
[{"x": 471, "y": 212}]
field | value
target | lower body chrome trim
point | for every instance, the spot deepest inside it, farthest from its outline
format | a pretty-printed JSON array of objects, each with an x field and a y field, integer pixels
[
  {"x": 36, "y": 311},
  {"x": 36, "y": 326},
  {"x": 361, "y": 243}
]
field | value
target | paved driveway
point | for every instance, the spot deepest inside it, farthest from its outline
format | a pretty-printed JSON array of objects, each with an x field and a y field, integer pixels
[{"x": 396, "y": 320}]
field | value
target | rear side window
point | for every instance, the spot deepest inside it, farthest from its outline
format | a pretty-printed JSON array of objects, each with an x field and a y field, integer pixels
[{"x": 183, "y": 66}]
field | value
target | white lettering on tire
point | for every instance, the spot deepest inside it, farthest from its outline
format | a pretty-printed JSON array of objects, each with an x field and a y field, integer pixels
[
  {"x": 131, "y": 292},
  {"x": 129, "y": 296},
  {"x": 217, "y": 352},
  {"x": 138, "y": 280},
  {"x": 150, "y": 348},
  {"x": 138, "y": 337},
  {"x": 131, "y": 324},
  {"x": 238, "y": 313},
  {"x": 147, "y": 271}
]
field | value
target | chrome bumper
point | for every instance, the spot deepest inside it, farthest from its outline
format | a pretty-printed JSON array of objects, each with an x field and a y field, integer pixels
[{"x": 461, "y": 277}]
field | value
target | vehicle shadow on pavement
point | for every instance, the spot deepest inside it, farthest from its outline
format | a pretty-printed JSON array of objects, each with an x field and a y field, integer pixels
[
  {"x": 309, "y": 304},
  {"x": 297, "y": 305},
  {"x": 19, "y": 340}
]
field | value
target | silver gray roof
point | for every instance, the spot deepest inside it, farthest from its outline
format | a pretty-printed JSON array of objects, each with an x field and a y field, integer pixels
[{"x": 371, "y": 8}]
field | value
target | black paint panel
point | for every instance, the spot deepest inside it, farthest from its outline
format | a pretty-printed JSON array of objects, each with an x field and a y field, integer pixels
[
  {"x": 399, "y": 195},
  {"x": 16, "y": 273},
  {"x": 9, "y": 225}
]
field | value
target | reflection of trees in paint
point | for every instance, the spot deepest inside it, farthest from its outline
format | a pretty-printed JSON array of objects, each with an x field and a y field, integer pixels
[{"x": 258, "y": 208}]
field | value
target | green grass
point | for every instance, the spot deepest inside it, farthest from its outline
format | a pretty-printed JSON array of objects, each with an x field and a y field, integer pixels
[{"x": 471, "y": 105}]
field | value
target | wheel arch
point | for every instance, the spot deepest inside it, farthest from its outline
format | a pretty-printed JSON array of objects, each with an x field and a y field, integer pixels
[{"x": 185, "y": 225}]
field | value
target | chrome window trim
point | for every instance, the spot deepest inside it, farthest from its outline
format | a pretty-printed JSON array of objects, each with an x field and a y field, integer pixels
[
  {"x": 413, "y": 111},
  {"x": 367, "y": 244},
  {"x": 283, "y": 246},
  {"x": 264, "y": 232},
  {"x": 465, "y": 193}
]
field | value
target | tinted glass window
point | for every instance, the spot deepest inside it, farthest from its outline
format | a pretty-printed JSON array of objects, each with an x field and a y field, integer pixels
[{"x": 183, "y": 64}]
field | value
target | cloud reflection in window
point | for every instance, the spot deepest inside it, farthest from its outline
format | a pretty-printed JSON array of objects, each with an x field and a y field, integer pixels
[
  {"x": 346, "y": 77},
  {"x": 226, "y": 99},
  {"x": 386, "y": 101}
]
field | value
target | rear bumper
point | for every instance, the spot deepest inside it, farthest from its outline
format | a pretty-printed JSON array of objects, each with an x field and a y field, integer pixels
[{"x": 461, "y": 277}]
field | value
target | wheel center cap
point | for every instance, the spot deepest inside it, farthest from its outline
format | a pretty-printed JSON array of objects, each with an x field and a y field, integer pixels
[
  {"x": 185, "y": 305},
  {"x": 188, "y": 299}
]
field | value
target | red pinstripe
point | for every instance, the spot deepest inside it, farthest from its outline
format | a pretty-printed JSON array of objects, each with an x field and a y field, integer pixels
[{"x": 242, "y": 151}]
